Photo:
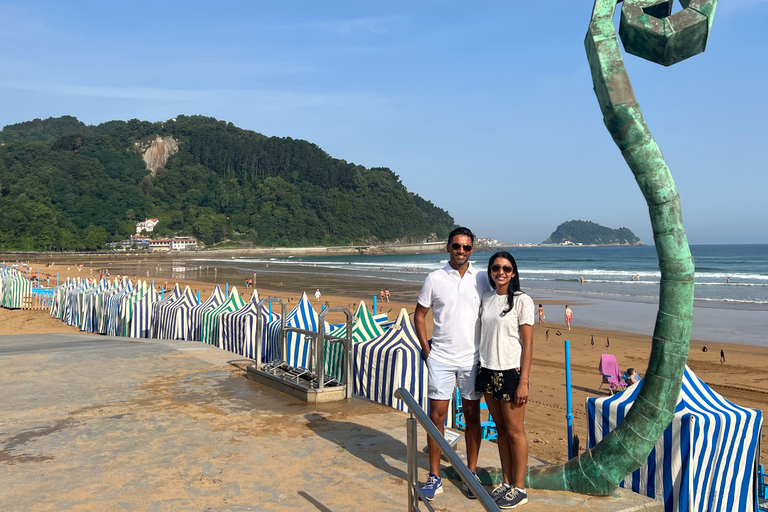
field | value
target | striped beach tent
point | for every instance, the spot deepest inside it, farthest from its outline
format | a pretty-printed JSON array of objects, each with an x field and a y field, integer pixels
[
  {"x": 14, "y": 291},
  {"x": 364, "y": 328},
  {"x": 90, "y": 309},
  {"x": 706, "y": 458},
  {"x": 210, "y": 326},
  {"x": 111, "y": 319},
  {"x": 303, "y": 316},
  {"x": 136, "y": 313},
  {"x": 59, "y": 298},
  {"x": 170, "y": 320},
  {"x": 111, "y": 307},
  {"x": 391, "y": 361},
  {"x": 238, "y": 328},
  {"x": 196, "y": 313},
  {"x": 74, "y": 304}
]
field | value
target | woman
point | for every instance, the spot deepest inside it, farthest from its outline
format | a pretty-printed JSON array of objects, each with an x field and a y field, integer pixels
[
  {"x": 506, "y": 351},
  {"x": 568, "y": 316}
]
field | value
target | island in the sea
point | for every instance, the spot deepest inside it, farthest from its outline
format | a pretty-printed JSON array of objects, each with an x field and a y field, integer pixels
[{"x": 580, "y": 232}]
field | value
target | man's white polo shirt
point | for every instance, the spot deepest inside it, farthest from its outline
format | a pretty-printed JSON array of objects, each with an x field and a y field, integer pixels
[{"x": 455, "y": 303}]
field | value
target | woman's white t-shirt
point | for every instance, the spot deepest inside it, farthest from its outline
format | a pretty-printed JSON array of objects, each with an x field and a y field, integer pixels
[{"x": 500, "y": 347}]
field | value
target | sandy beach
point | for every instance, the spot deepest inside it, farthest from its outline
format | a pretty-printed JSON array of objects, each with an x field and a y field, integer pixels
[{"x": 741, "y": 378}]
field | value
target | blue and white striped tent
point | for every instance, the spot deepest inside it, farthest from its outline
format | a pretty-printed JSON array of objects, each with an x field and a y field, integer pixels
[
  {"x": 111, "y": 311},
  {"x": 136, "y": 313},
  {"x": 238, "y": 328},
  {"x": 303, "y": 316},
  {"x": 706, "y": 458},
  {"x": 393, "y": 360},
  {"x": 59, "y": 298},
  {"x": 88, "y": 311},
  {"x": 196, "y": 313},
  {"x": 170, "y": 319},
  {"x": 74, "y": 301}
]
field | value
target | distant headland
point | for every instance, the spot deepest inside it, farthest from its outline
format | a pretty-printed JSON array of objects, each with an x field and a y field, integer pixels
[{"x": 580, "y": 232}]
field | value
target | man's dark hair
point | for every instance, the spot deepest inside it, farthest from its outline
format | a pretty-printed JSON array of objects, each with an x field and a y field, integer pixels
[{"x": 461, "y": 231}]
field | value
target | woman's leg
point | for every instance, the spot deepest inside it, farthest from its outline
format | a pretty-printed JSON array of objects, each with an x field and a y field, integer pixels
[
  {"x": 514, "y": 421},
  {"x": 505, "y": 454}
]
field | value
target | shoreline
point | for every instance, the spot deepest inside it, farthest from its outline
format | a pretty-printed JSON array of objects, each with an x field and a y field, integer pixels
[{"x": 739, "y": 378}]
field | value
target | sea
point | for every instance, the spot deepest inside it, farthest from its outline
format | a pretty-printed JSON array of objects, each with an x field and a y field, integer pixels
[{"x": 619, "y": 290}]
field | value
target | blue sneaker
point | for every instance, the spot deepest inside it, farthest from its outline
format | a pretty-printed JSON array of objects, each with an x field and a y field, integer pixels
[
  {"x": 466, "y": 490},
  {"x": 513, "y": 499},
  {"x": 433, "y": 486}
]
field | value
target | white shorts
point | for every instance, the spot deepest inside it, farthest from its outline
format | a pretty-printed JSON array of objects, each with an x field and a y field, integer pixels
[{"x": 443, "y": 379}]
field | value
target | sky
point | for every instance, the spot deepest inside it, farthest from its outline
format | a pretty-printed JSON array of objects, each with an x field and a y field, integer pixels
[{"x": 484, "y": 108}]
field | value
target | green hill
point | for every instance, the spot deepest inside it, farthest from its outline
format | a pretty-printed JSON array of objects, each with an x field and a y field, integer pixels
[
  {"x": 590, "y": 233},
  {"x": 66, "y": 185}
]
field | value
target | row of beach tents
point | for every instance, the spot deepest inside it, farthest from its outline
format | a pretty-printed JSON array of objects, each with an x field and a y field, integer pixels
[{"x": 386, "y": 354}]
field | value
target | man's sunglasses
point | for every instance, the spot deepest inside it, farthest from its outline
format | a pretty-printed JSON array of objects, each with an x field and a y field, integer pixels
[
  {"x": 506, "y": 268},
  {"x": 456, "y": 247}
]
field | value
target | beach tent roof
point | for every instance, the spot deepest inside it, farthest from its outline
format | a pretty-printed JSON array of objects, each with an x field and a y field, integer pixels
[{"x": 393, "y": 360}]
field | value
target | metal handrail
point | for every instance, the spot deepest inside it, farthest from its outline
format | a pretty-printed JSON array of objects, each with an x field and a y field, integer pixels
[{"x": 414, "y": 492}]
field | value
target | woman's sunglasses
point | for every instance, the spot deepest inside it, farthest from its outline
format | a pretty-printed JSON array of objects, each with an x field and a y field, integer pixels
[
  {"x": 456, "y": 247},
  {"x": 506, "y": 268}
]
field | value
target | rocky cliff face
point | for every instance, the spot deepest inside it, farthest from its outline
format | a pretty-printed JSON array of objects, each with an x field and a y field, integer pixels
[{"x": 156, "y": 152}]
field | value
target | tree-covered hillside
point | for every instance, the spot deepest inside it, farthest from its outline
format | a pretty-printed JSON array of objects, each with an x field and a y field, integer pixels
[
  {"x": 590, "y": 233},
  {"x": 65, "y": 185}
]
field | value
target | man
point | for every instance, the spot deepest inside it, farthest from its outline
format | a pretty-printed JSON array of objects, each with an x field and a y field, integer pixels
[{"x": 453, "y": 293}]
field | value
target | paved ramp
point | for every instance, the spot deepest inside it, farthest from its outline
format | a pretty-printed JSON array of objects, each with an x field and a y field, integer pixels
[{"x": 100, "y": 423}]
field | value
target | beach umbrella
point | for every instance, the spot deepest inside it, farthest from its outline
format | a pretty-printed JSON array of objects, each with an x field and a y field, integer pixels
[
  {"x": 216, "y": 299},
  {"x": 171, "y": 319},
  {"x": 299, "y": 347},
  {"x": 364, "y": 328},
  {"x": 391, "y": 361},
  {"x": 238, "y": 328},
  {"x": 706, "y": 458},
  {"x": 210, "y": 326}
]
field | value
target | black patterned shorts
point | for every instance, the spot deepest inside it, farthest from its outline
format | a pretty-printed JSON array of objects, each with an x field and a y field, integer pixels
[{"x": 500, "y": 383}]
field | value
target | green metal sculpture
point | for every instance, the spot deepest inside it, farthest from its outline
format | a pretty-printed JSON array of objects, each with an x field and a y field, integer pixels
[{"x": 648, "y": 30}]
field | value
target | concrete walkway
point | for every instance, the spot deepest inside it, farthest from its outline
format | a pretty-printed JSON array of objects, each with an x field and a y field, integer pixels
[{"x": 102, "y": 423}]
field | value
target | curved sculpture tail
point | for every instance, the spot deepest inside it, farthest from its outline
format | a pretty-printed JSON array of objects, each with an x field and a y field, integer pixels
[{"x": 649, "y": 31}]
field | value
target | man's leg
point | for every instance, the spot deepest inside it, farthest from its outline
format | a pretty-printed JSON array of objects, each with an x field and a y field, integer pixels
[
  {"x": 473, "y": 434},
  {"x": 438, "y": 411},
  {"x": 471, "y": 404}
]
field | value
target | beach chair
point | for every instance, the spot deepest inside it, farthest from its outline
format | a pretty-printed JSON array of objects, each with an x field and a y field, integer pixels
[
  {"x": 611, "y": 374},
  {"x": 487, "y": 428}
]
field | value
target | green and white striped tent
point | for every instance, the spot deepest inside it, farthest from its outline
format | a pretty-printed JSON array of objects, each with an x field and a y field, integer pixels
[
  {"x": 210, "y": 331},
  {"x": 364, "y": 328},
  {"x": 14, "y": 290},
  {"x": 216, "y": 299}
]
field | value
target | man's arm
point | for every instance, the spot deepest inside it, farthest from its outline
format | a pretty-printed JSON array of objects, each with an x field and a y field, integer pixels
[{"x": 420, "y": 322}]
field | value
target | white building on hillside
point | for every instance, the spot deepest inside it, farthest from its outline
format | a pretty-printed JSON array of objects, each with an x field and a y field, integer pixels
[{"x": 148, "y": 225}]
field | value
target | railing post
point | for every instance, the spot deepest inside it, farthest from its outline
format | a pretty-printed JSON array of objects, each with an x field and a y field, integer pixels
[{"x": 411, "y": 440}]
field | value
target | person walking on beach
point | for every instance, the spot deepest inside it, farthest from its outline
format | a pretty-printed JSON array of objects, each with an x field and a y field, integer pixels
[
  {"x": 317, "y": 294},
  {"x": 541, "y": 314},
  {"x": 381, "y": 296},
  {"x": 453, "y": 293},
  {"x": 386, "y": 294},
  {"x": 568, "y": 316},
  {"x": 506, "y": 352}
]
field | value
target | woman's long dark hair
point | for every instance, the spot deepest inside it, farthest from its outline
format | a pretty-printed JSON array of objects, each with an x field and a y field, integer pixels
[{"x": 514, "y": 283}]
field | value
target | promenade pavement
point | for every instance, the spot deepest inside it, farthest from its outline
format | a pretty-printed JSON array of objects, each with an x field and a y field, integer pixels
[{"x": 102, "y": 423}]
